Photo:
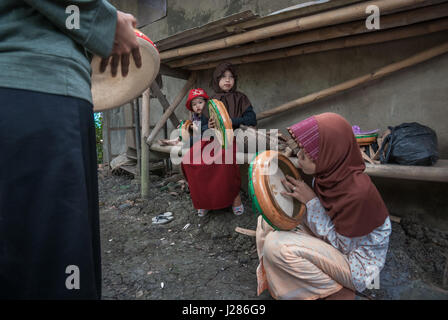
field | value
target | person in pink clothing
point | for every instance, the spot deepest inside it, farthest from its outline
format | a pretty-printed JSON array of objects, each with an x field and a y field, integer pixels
[{"x": 341, "y": 245}]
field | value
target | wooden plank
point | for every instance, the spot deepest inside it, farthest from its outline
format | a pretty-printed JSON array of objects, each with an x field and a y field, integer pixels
[
  {"x": 164, "y": 102},
  {"x": 174, "y": 73},
  {"x": 327, "y": 33},
  {"x": 395, "y": 219},
  {"x": 201, "y": 32},
  {"x": 130, "y": 169},
  {"x": 247, "y": 232},
  {"x": 436, "y": 173},
  {"x": 122, "y": 128},
  {"x": 328, "y": 18},
  {"x": 172, "y": 107}
]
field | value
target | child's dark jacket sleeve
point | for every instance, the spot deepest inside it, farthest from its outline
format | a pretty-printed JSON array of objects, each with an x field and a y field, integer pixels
[{"x": 249, "y": 118}]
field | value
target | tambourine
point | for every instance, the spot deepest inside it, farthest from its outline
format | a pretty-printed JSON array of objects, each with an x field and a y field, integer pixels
[
  {"x": 111, "y": 92},
  {"x": 266, "y": 172},
  {"x": 367, "y": 139},
  {"x": 223, "y": 122},
  {"x": 184, "y": 134}
]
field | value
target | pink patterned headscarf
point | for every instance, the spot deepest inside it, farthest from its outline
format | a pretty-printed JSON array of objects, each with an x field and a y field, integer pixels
[{"x": 306, "y": 132}]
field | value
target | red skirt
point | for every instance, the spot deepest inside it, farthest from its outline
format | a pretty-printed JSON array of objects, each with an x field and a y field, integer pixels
[{"x": 212, "y": 185}]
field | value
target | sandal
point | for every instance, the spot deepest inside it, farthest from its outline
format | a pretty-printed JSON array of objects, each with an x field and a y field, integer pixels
[
  {"x": 238, "y": 210},
  {"x": 163, "y": 218},
  {"x": 202, "y": 212}
]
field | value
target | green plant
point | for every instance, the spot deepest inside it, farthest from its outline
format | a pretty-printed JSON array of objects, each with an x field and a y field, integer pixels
[{"x": 99, "y": 135}]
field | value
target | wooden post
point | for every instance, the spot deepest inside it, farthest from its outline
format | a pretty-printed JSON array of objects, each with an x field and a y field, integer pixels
[
  {"x": 145, "y": 148},
  {"x": 109, "y": 144},
  {"x": 339, "y": 43},
  {"x": 378, "y": 74},
  {"x": 171, "y": 109},
  {"x": 333, "y": 17},
  {"x": 338, "y": 31},
  {"x": 136, "y": 107}
]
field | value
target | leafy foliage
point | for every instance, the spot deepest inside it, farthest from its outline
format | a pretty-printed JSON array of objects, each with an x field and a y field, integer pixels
[{"x": 99, "y": 135}]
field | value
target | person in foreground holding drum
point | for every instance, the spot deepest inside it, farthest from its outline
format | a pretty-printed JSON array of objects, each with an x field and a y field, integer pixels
[
  {"x": 49, "y": 214},
  {"x": 239, "y": 107},
  {"x": 342, "y": 242}
]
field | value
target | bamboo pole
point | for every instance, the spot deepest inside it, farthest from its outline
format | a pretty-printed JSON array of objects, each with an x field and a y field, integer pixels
[
  {"x": 171, "y": 108},
  {"x": 164, "y": 102},
  {"x": 343, "y": 30},
  {"x": 378, "y": 74},
  {"x": 342, "y": 15},
  {"x": 135, "y": 107},
  {"x": 145, "y": 148},
  {"x": 339, "y": 43}
]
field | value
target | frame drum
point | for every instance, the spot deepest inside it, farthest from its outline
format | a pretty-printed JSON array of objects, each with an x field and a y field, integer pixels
[
  {"x": 184, "y": 134},
  {"x": 265, "y": 187},
  {"x": 111, "y": 92},
  {"x": 223, "y": 123}
]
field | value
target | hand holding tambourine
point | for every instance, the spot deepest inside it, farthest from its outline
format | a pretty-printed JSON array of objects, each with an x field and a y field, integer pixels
[
  {"x": 125, "y": 44},
  {"x": 111, "y": 89},
  {"x": 298, "y": 189}
]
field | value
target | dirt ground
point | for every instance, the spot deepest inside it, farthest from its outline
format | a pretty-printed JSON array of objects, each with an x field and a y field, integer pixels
[{"x": 204, "y": 258}]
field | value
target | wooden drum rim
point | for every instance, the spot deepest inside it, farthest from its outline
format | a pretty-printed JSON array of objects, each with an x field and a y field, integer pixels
[
  {"x": 265, "y": 198},
  {"x": 295, "y": 220}
]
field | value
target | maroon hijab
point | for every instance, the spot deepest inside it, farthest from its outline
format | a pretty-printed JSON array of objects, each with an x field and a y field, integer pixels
[
  {"x": 347, "y": 193},
  {"x": 236, "y": 102}
]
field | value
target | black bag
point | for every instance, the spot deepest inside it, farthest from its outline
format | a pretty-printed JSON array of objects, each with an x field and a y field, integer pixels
[{"x": 410, "y": 144}]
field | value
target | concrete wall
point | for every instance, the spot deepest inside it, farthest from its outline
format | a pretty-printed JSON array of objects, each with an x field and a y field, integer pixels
[{"x": 419, "y": 93}]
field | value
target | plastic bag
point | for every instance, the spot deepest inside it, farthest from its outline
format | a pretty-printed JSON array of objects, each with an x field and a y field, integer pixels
[{"x": 410, "y": 144}]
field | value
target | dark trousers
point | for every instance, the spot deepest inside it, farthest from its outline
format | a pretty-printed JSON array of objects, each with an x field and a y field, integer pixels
[{"x": 49, "y": 216}]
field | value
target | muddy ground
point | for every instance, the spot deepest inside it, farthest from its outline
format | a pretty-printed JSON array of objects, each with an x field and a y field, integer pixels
[{"x": 204, "y": 258}]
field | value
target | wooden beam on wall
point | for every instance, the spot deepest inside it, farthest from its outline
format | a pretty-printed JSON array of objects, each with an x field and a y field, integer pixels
[
  {"x": 363, "y": 80},
  {"x": 342, "y": 15},
  {"x": 164, "y": 102},
  {"x": 339, "y": 43},
  {"x": 174, "y": 73},
  {"x": 338, "y": 31},
  {"x": 172, "y": 107}
]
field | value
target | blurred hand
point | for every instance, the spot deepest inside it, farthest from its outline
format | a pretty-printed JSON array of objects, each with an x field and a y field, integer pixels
[
  {"x": 211, "y": 123},
  {"x": 194, "y": 128},
  {"x": 125, "y": 44},
  {"x": 299, "y": 190}
]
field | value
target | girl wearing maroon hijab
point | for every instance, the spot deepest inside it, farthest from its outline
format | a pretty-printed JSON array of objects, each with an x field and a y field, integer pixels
[
  {"x": 224, "y": 83},
  {"x": 341, "y": 245},
  {"x": 217, "y": 185}
]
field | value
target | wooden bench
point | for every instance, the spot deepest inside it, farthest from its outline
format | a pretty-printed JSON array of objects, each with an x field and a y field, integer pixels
[{"x": 436, "y": 173}]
